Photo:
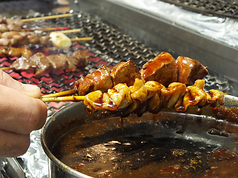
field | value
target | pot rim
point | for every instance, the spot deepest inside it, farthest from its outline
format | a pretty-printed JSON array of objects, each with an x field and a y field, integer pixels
[{"x": 49, "y": 154}]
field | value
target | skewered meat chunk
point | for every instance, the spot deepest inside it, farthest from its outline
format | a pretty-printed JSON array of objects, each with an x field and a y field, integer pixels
[
  {"x": 104, "y": 78},
  {"x": 125, "y": 72},
  {"x": 11, "y": 24},
  {"x": 190, "y": 70},
  {"x": 21, "y": 64},
  {"x": 15, "y": 52},
  {"x": 51, "y": 64},
  {"x": 58, "y": 61},
  {"x": 162, "y": 69},
  {"x": 75, "y": 58},
  {"x": 100, "y": 79},
  {"x": 41, "y": 65},
  {"x": 177, "y": 96}
]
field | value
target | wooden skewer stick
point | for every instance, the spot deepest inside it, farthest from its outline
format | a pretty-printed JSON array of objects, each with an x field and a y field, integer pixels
[
  {"x": 45, "y": 29},
  {"x": 63, "y": 98},
  {"x": 46, "y": 17},
  {"x": 63, "y": 93},
  {"x": 82, "y": 39},
  {"x": 71, "y": 31},
  {"x": 6, "y": 68}
]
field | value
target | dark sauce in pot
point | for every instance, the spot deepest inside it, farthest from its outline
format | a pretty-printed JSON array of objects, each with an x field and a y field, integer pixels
[{"x": 147, "y": 149}]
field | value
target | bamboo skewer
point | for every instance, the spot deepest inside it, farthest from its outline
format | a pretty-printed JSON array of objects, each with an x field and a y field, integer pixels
[
  {"x": 63, "y": 98},
  {"x": 6, "y": 68},
  {"x": 46, "y": 17},
  {"x": 82, "y": 39},
  {"x": 45, "y": 29},
  {"x": 63, "y": 93},
  {"x": 71, "y": 31}
]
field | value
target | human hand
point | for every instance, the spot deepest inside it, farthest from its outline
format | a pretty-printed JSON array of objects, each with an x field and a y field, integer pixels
[{"x": 20, "y": 113}]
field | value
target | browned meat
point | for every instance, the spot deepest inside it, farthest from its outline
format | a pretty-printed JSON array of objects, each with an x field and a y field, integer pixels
[
  {"x": 12, "y": 52},
  {"x": 162, "y": 69},
  {"x": 11, "y": 24},
  {"x": 41, "y": 65},
  {"x": 226, "y": 113},
  {"x": 78, "y": 59},
  {"x": 21, "y": 64},
  {"x": 125, "y": 72},
  {"x": 100, "y": 79},
  {"x": 58, "y": 62},
  {"x": 190, "y": 70}
]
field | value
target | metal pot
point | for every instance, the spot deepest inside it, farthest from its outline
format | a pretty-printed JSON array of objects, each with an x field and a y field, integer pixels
[{"x": 172, "y": 125}]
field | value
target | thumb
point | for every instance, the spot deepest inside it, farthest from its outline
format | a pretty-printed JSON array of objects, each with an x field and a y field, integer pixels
[
  {"x": 31, "y": 90},
  {"x": 28, "y": 89}
]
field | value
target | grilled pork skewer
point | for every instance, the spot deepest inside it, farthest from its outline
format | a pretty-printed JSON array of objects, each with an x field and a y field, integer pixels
[
  {"x": 150, "y": 96},
  {"x": 15, "y": 52},
  {"x": 15, "y": 24},
  {"x": 19, "y": 39},
  {"x": 42, "y": 64},
  {"x": 163, "y": 69},
  {"x": 10, "y": 24}
]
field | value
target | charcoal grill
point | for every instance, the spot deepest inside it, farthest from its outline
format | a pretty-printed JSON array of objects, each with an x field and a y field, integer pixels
[{"x": 116, "y": 38}]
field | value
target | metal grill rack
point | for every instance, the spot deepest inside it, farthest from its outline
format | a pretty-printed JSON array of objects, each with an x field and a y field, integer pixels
[{"x": 224, "y": 8}]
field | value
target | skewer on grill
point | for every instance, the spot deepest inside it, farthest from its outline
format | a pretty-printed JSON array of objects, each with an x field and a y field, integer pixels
[
  {"x": 56, "y": 39},
  {"x": 15, "y": 24},
  {"x": 42, "y": 64},
  {"x": 45, "y": 29},
  {"x": 46, "y": 17}
]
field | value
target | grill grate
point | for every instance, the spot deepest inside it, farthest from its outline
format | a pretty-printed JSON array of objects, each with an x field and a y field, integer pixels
[
  {"x": 224, "y": 8},
  {"x": 109, "y": 46}
]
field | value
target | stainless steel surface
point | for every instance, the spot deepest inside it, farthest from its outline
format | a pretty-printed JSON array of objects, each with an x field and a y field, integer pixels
[
  {"x": 159, "y": 33},
  {"x": 11, "y": 168}
]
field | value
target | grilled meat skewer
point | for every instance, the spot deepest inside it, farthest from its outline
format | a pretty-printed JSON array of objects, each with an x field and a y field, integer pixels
[
  {"x": 10, "y": 24},
  {"x": 163, "y": 69},
  {"x": 15, "y": 52},
  {"x": 19, "y": 39},
  {"x": 42, "y": 64},
  {"x": 147, "y": 96},
  {"x": 152, "y": 96}
]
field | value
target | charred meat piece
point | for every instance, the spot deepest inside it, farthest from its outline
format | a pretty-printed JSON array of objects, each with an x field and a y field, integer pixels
[
  {"x": 12, "y": 24},
  {"x": 190, "y": 70},
  {"x": 100, "y": 79},
  {"x": 41, "y": 65},
  {"x": 79, "y": 59},
  {"x": 58, "y": 62},
  {"x": 21, "y": 63},
  {"x": 162, "y": 69},
  {"x": 15, "y": 52},
  {"x": 49, "y": 64},
  {"x": 125, "y": 72}
]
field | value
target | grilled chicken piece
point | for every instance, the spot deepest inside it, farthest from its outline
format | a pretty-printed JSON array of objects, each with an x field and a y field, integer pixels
[
  {"x": 79, "y": 58},
  {"x": 100, "y": 79},
  {"x": 41, "y": 65},
  {"x": 190, "y": 70},
  {"x": 162, "y": 69},
  {"x": 125, "y": 72},
  {"x": 21, "y": 63},
  {"x": 58, "y": 62},
  {"x": 151, "y": 96},
  {"x": 15, "y": 52},
  {"x": 49, "y": 64}
]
